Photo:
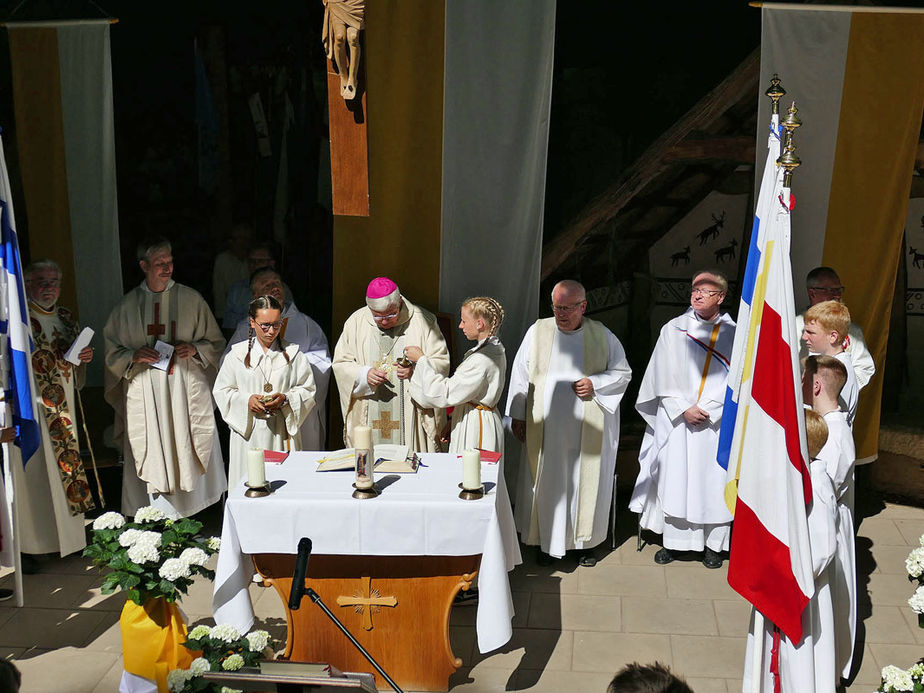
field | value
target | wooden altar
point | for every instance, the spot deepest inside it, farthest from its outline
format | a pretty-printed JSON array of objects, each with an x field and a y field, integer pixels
[{"x": 397, "y": 607}]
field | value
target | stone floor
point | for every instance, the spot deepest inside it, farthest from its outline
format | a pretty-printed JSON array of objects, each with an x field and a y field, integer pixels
[{"x": 573, "y": 628}]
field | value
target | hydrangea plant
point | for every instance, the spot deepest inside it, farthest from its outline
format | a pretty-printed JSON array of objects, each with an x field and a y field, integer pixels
[{"x": 223, "y": 648}]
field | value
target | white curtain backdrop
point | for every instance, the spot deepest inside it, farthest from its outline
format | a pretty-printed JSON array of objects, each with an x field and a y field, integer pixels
[{"x": 497, "y": 97}]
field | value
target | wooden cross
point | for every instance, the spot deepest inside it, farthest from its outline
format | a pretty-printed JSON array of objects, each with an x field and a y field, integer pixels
[
  {"x": 349, "y": 150},
  {"x": 366, "y": 601},
  {"x": 386, "y": 425},
  {"x": 157, "y": 328}
]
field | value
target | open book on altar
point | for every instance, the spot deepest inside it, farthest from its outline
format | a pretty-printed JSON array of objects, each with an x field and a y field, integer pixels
[{"x": 389, "y": 459}]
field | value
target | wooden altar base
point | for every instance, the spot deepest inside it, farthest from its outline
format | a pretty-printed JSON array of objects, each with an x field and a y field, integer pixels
[{"x": 397, "y": 607}]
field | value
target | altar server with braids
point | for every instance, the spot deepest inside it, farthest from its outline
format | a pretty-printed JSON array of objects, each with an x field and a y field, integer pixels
[
  {"x": 475, "y": 388},
  {"x": 264, "y": 390}
]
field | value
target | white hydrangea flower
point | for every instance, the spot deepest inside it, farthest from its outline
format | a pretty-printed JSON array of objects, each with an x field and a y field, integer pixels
[
  {"x": 914, "y": 564},
  {"x": 916, "y": 602},
  {"x": 149, "y": 514},
  {"x": 225, "y": 689},
  {"x": 174, "y": 569},
  {"x": 177, "y": 679},
  {"x": 233, "y": 663},
  {"x": 129, "y": 537},
  {"x": 199, "y": 632},
  {"x": 258, "y": 640},
  {"x": 143, "y": 553},
  {"x": 110, "y": 520},
  {"x": 225, "y": 633},
  {"x": 214, "y": 543},
  {"x": 917, "y": 671},
  {"x": 194, "y": 556},
  {"x": 921, "y": 540},
  {"x": 897, "y": 679},
  {"x": 149, "y": 538},
  {"x": 199, "y": 666}
]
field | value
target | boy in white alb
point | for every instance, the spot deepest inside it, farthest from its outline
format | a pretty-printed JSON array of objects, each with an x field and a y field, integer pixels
[
  {"x": 823, "y": 379},
  {"x": 824, "y": 332}
]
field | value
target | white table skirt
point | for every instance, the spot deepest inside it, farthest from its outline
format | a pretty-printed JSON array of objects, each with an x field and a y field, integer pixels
[{"x": 417, "y": 514}]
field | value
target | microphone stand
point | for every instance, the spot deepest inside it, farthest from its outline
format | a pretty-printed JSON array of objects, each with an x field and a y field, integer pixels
[{"x": 316, "y": 598}]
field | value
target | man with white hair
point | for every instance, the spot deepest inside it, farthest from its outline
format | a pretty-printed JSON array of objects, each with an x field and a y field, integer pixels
[
  {"x": 568, "y": 379},
  {"x": 300, "y": 329},
  {"x": 51, "y": 489},
  {"x": 164, "y": 409},
  {"x": 373, "y": 386}
]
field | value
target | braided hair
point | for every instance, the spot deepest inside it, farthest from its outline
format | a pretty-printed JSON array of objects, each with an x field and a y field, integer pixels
[
  {"x": 488, "y": 309},
  {"x": 261, "y": 303}
]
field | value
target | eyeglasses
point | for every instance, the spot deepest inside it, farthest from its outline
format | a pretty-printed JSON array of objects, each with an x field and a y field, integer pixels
[
  {"x": 267, "y": 326},
  {"x": 383, "y": 318},
  {"x": 45, "y": 284},
  {"x": 567, "y": 309},
  {"x": 704, "y": 292},
  {"x": 829, "y": 290}
]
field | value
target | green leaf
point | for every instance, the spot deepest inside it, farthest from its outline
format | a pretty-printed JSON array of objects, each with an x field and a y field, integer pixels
[{"x": 135, "y": 596}]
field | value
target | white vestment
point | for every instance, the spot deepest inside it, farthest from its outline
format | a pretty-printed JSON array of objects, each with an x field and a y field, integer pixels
[
  {"x": 172, "y": 455},
  {"x": 839, "y": 455},
  {"x": 810, "y": 665},
  {"x": 565, "y": 490},
  {"x": 474, "y": 391},
  {"x": 44, "y": 522},
  {"x": 236, "y": 383},
  {"x": 680, "y": 490},
  {"x": 863, "y": 366},
  {"x": 362, "y": 346},
  {"x": 299, "y": 329},
  {"x": 850, "y": 393}
]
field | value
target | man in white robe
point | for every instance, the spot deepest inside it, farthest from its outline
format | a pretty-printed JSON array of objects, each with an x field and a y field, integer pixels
[
  {"x": 372, "y": 384},
  {"x": 680, "y": 488},
  {"x": 567, "y": 381},
  {"x": 301, "y": 330},
  {"x": 52, "y": 493},
  {"x": 822, "y": 381},
  {"x": 164, "y": 415}
]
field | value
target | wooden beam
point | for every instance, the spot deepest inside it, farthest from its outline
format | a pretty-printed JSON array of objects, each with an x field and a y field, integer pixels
[
  {"x": 740, "y": 84},
  {"x": 739, "y": 149}
]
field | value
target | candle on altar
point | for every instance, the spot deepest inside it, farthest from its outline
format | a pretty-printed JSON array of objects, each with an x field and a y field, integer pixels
[
  {"x": 471, "y": 470},
  {"x": 256, "y": 468},
  {"x": 362, "y": 444}
]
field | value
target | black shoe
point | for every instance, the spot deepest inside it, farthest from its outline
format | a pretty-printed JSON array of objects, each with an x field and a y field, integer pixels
[
  {"x": 587, "y": 559},
  {"x": 5, "y": 594},
  {"x": 664, "y": 556},
  {"x": 29, "y": 564},
  {"x": 544, "y": 559},
  {"x": 712, "y": 559},
  {"x": 467, "y": 597}
]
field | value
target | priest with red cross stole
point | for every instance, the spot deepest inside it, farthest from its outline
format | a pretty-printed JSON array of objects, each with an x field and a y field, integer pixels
[
  {"x": 372, "y": 383},
  {"x": 680, "y": 489},
  {"x": 164, "y": 411}
]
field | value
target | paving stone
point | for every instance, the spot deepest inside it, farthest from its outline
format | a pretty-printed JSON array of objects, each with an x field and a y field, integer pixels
[
  {"x": 609, "y": 652},
  {"x": 83, "y": 673},
  {"x": 575, "y": 612},
  {"x": 709, "y": 656},
  {"x": 688, "y": 616}
]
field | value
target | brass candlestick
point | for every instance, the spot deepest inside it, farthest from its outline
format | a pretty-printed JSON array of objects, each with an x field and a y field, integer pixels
[
  {"x": 257, "y": 491},
  {"x": 471, "y": 493}
]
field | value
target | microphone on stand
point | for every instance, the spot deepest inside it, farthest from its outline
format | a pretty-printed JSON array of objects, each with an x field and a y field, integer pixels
[{"x": 301, "y": 570}]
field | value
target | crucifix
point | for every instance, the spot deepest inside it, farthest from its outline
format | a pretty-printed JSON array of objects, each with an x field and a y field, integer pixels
[
  {"x": 366, "y": 601},
  {"x": 344, "y": 20},
  {"x": 385, "y": 425}
]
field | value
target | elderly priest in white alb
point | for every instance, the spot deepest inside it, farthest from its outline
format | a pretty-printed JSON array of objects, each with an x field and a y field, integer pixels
[
  {"x": 680, "y": 490},
  {"x": 568, "y": 379},
  {"x": 165, "y": 417},
  {"x": 374, "y": 389}
]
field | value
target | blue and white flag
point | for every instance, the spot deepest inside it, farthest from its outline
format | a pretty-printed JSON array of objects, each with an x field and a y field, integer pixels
[{"x": 14, "y": 327}]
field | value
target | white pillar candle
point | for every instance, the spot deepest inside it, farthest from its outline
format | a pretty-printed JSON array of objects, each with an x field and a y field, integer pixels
[
  {"x": 256, "y": 468},
  {"x": 362, "y": 444},
  {"x": 471, "y": 470}
]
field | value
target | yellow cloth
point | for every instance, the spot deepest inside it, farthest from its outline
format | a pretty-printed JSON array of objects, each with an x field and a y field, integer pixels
[{"x": 152, "y": 640}]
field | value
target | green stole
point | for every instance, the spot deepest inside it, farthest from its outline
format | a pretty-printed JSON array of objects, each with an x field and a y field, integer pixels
[{"x": 596, "y": 355}]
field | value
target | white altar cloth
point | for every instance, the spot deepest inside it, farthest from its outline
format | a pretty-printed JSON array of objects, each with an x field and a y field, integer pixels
[{"x": 417, "y": 514}]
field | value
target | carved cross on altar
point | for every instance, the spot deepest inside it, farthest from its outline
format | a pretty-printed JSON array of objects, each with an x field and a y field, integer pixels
[
  {"x": 386, "y": 425},
  {"x": 366, "y": 601}
]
